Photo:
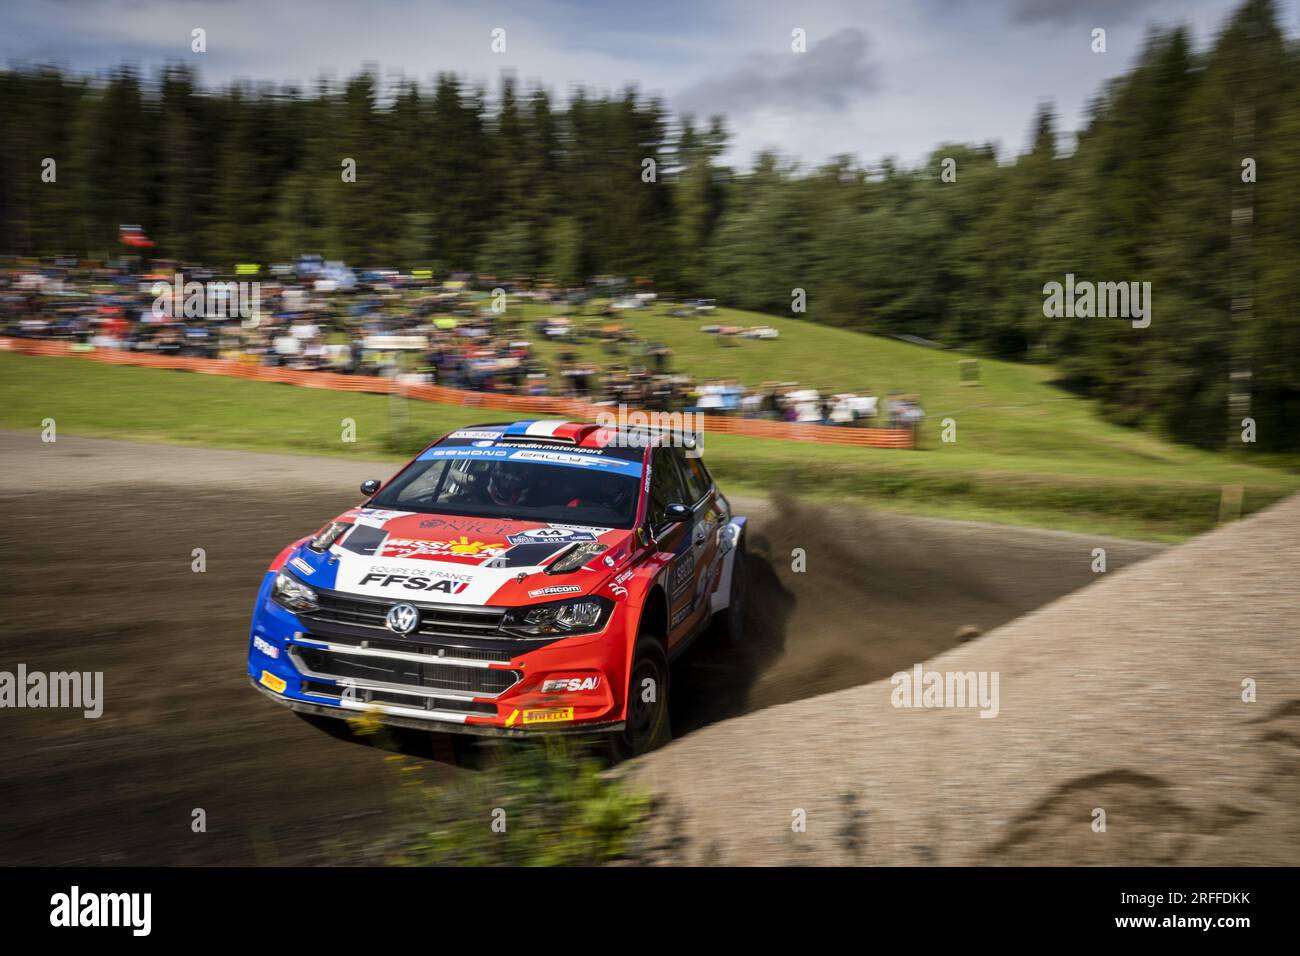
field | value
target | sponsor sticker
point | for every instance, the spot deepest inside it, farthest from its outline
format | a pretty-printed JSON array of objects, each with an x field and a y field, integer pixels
[
  {"x": 380, "y": 514},
  {"x": 576, "y": 450},
  {"x": 376, "y": 517},
  {"x": 302, "y": 565},
  {"x": 462, "y": 549},
  {"x": 568, "y": 459},
  {"x": 464, "y": 577},
  {"x": 415, "y": 582},
  {"x": 475, "y": 526},
  {"x": 616, "y": 585},
  {"x": 548, "y": 715},
  {"x": 561, "y": 458},
  {"x": 569, "y": 684},
  {"x": 480, "y": 435},
  {"x": 556, "y": 589},
  {"x": 270, "y": 680},
  {"x": 458, "y": 453},
  {"x": 682, "y": 573},
  {"x": 266, "y": 647},
  {"x": 549, "y": 535}
]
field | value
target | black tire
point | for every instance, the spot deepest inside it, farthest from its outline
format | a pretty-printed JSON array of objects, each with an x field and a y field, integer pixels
[
  {"x": 732, "y": 619},
  {"x": 647, "y": 725}
]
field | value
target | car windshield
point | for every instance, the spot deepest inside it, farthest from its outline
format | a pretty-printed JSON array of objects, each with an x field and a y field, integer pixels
[{"x": 511, "y": 488}]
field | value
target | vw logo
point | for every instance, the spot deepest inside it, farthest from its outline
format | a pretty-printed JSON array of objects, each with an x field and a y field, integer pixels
[{"x": 402, "y": 618}]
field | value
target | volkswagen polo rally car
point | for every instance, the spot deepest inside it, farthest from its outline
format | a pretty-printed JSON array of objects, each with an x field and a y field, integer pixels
[{"x": 513, "y": 579}]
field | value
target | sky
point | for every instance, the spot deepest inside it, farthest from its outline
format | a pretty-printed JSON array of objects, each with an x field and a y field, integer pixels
[{"x": 876, "y": 79}]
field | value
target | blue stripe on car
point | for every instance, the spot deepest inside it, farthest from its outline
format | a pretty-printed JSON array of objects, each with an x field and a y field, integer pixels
[{"x": 583, "y": 461}]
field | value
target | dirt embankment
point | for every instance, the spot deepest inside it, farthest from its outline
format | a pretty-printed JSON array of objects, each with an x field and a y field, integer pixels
[
  {"x": 842, "y": 596},
  {"x": 1162, "y": 701}
]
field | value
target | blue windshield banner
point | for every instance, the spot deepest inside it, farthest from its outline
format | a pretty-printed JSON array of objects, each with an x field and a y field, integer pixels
[{"x": 584, "y": 460}]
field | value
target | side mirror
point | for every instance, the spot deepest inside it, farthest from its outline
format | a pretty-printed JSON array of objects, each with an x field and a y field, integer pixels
[
  {"x": 675, "y": 513},
  {"x": 370, "y": 488}
]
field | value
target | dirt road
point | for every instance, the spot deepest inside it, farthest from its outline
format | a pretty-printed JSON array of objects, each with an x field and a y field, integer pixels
[{"x": 97, "y": 560}]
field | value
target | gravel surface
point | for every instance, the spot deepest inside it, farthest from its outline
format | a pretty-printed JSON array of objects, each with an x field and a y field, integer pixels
[{"x": 97, "y": 564}]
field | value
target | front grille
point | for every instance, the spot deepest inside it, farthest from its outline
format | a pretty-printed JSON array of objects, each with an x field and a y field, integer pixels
[
  {"x": 345, "y": 611},
  {"x": 368, "y": 695},
  {"x": 476, "y": 681},
  {"x": 435, "y": 621},
  {"x": 489, "y": 655}
]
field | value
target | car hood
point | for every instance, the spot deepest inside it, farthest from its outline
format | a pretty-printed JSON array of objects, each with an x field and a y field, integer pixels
[{"x": 451, "y": 559}]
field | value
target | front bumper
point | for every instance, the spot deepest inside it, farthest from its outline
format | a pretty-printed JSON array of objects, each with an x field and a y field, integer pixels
[
  {"x": 487, "y": 687},
  {"x": 433, "y": 724}
]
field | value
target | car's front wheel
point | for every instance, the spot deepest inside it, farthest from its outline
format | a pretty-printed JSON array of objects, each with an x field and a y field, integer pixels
[{"x": 647, "y": 724}]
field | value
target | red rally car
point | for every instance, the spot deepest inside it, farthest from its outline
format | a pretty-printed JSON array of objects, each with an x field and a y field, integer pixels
[{"x": 513, "y": 579}]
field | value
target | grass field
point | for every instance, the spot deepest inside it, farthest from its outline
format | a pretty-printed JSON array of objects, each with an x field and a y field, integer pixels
[
  {"x": 1013, "y": 412},
  {"x": 1045, "y": 461}
]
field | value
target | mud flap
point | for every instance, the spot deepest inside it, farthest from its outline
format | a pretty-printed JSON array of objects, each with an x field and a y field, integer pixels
[{"x": 728, "y": 546}]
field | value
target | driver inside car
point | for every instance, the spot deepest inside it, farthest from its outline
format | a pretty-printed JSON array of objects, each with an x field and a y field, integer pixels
[
  {"x": 508, "y": 485},
  {"x": 503, "y": 484},
  {"x": 511, "y": 485}
]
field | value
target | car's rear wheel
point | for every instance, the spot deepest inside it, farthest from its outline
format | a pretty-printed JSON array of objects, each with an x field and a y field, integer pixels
[{"x": 647, "y": 724}]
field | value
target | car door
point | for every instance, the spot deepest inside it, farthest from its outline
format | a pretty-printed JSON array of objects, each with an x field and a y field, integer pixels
[
  {"x": 706, "y": 526},
  {"x": 676, "y": 538}
]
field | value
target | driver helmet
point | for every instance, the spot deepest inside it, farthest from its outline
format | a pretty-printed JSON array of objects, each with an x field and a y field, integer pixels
[{"x": 506, "y": 483}]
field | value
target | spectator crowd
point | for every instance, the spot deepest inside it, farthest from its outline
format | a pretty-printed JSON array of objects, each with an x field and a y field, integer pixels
[{"x": 381, "y": 322}]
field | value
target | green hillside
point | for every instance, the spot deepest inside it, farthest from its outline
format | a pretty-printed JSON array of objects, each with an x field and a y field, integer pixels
[
  {"x": 1070, "y": 471},
  {"x": 1013, "y": 412}
]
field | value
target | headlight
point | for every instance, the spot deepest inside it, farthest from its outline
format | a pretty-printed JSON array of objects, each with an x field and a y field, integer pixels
[
  {"x": 292, "y": 593},
  {"x": 584, "y": 615}
]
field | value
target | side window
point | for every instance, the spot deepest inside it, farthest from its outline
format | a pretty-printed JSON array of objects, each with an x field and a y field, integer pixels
[
  {"x": 697, "y": 479},
  {"x": 421, "y": 488},
  {"x": 665, "y": 485}
]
